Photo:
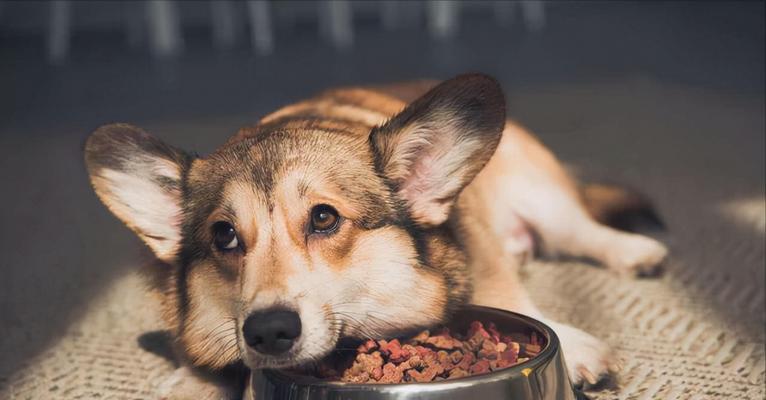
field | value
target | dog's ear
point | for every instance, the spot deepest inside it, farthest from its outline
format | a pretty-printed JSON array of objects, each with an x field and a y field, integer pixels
[
  {"x": 139, "y": 179},
  {"x": 436, "y": 145}
]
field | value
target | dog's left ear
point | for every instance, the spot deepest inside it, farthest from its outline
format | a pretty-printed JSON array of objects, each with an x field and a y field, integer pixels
[
  {"x": 138, "y": 177},
  {"x": 436, "y": 145}
]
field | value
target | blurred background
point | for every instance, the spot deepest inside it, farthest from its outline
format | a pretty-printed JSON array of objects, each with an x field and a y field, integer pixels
[{"x": 667, "y": 97}]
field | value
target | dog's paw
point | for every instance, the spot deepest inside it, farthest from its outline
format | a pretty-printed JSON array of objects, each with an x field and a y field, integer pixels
[
  {"x": 185, "y": 384},
  {"x": 637, "y": 255},
  {"x": 588, "y": 359}
]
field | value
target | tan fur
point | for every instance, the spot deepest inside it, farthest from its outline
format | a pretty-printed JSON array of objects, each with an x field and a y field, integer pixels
[
  {"x": 209, "y": 331},
  {"x": 381, "y": 272}
]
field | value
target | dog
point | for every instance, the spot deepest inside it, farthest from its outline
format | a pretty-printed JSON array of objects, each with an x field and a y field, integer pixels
[{"x": 361, "y": 212}]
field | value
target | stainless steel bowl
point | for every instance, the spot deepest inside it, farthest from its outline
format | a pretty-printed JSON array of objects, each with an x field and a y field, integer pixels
[{"x": 541, "y": 378}]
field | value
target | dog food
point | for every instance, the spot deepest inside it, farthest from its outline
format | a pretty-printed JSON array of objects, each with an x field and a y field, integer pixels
[{"x": 426, "y": 357}]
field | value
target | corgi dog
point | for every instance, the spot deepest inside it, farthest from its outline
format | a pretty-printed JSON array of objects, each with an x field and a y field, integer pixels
[{"x": 361, "y": 212}]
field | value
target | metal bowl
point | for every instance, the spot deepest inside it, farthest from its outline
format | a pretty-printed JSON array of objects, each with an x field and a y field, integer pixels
[{"x": 541, "y": 378}]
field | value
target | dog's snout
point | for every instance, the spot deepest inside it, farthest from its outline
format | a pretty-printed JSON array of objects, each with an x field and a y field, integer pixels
[{"x": 272, "y": 331}]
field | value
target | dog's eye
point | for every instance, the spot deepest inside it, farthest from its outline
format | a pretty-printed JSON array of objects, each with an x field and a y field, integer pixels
[
  {"x": 224, "y": 236},
  {"x": 324, "y": 219}
]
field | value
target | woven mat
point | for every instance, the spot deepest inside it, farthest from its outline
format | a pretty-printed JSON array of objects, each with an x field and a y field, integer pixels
[
  {"x": 672, "y": 345},
  {"x": 679, "y": 339},
  {"x": 695, "y": 333}
]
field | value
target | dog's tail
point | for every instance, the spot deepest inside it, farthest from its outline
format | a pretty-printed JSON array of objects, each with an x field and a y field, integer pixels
[{"x": 621, "y": 208}]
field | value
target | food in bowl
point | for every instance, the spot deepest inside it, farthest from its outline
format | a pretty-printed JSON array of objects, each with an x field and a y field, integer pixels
[{"x": 428, "y": 357}]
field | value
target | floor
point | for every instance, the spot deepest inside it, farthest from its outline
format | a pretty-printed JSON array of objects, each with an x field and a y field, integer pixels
[{"x": 667, "y": 97}]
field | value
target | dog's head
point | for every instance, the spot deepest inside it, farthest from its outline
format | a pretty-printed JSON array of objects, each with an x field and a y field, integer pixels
[{"x": 298, "y": 234}]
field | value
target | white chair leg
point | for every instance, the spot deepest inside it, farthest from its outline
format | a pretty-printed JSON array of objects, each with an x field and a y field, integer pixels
[
  {"x": 504, "y": 11},
  {"x": 261, "y": 31},
  {"x": 164, "y": 28},
  {"x": 336, "y": 22},
  {"x": 443, "y": 17},
  {"x": 223, "y": 23},
  {"x": 59, "y": 30},
  {"x": 534, "y": 14}
]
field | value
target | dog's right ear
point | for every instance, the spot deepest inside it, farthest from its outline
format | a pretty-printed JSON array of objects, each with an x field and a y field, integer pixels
[
  {"x": 138, "y": 178},
  {"x": 435, "y": 147}
]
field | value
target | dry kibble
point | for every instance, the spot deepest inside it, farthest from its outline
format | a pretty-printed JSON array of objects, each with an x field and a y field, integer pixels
[
  {"x": 480, "y": 367},
  {"x": 457, "y": 373},
  {"x": 430, "y": 357},
  {"x": 391, "y": 374},
  {"x": 367, "y": 346}
]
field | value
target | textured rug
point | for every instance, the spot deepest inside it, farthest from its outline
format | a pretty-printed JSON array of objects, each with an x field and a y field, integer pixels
[{"x": 697, "y": 332}]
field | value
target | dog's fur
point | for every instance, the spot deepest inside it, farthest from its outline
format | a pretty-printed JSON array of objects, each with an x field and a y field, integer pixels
[{"x": 439, "y": 196}]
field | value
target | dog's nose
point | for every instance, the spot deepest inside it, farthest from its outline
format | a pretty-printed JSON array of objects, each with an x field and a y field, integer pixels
[{"x": 272, "y": 331}]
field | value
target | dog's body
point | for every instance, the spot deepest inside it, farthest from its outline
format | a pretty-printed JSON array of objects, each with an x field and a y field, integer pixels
[{"x": 353, "y": 214}]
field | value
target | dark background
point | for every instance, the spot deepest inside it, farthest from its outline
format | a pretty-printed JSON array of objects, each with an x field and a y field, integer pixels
[{"x": 666, "y": 96}]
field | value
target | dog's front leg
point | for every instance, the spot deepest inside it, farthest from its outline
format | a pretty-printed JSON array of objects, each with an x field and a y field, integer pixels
[
  {"x": 498, "y": 285},
  {"x": 187, "y": 383}
]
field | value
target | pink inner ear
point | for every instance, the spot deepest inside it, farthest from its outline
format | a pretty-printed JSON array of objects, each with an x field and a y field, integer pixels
[
  {"x": 432, "y": 177},
  {"x": 165, "y": 168},
  {"x": 153, "y": 212}
]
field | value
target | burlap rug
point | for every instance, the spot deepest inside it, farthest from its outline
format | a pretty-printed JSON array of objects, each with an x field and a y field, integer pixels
[{"x": 695, "y": 333}]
